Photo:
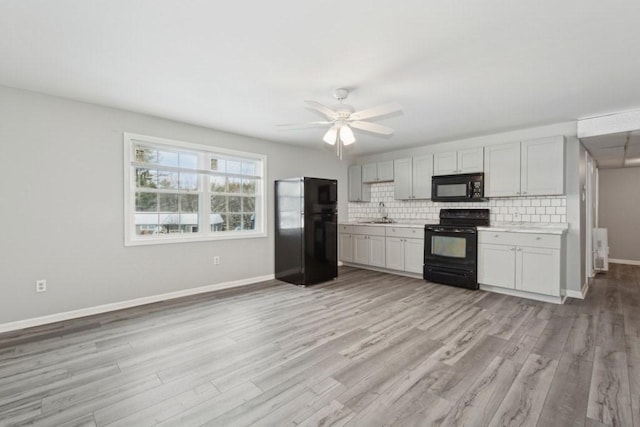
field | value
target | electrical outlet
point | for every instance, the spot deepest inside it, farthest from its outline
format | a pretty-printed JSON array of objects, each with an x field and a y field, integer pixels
[
  {"x": 216, "y": 260},
  {"x": 41, "y": 285}
]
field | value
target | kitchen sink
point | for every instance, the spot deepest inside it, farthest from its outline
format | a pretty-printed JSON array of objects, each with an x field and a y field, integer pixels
[{"x": 378, "y": 221}]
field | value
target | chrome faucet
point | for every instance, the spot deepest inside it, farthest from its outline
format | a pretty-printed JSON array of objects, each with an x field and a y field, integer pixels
[{"x": 382, "y": 211}]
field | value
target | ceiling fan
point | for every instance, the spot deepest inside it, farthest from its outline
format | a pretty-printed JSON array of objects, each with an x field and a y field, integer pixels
[{"x": 344, "y": 117}]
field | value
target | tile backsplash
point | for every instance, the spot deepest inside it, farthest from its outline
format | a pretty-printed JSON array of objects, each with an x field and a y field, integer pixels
[{"x": 505, "y": 209}]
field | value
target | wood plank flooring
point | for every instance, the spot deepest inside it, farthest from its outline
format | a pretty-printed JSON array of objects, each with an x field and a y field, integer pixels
[{"x": 368, "y": 349}]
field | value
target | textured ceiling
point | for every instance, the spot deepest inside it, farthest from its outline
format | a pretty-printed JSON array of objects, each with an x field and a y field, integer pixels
[{"x": 458, "y": 69}]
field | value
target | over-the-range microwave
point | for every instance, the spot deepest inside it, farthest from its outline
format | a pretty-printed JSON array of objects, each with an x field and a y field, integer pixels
[{"x": 468, "y": 187}]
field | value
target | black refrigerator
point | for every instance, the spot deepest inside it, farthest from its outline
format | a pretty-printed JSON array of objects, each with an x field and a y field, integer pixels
[{"x": 306, "y": 230}]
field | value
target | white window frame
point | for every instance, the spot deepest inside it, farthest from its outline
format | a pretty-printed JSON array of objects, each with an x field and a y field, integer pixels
[{"x": 205, "y": 233}]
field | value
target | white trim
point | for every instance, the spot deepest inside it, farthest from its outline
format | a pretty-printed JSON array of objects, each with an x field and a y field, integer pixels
[
  {"x": 624, "y": 261},
  {"x": 581, "y": 294},
  {"x": 59, "y": 317},
  {"x": 523, "y": 294}
]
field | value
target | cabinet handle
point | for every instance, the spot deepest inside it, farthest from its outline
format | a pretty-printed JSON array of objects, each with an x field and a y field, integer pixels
[
  {"x": 524, "y": 192},
  {"x": 538, "y": 238},
  {"x": 512, "y": 249},
  {"x": 497, "y": 236}
]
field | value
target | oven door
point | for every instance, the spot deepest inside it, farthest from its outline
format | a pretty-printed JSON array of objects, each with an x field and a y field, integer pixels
[{"x": 450, "y": 255}]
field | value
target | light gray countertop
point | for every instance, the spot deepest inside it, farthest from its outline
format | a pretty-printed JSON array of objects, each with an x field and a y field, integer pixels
[{"x": 513, "y": 227}]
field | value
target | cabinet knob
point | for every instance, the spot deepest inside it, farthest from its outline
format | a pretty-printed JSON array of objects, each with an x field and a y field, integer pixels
[
  {"x": 512, "y": 249},
  {"x": 524, "y": 192},
  {"x": 497, "y": 236},
  {"x": 538, "y": 238},
  {"x": 519, "y": 249}
]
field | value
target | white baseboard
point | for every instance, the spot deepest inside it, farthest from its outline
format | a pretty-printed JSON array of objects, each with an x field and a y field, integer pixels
[
  {"x": 581, "y": 294},
  {"x": 58, "y": 317},
  {"x": 624, "y": 261},
  {"x": 523, "y": 294}
]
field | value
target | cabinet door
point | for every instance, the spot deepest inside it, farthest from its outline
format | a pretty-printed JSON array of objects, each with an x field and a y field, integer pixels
[
  {"x": 370, "y": 172},
  {"x": 497, "y": 265},
  {"x": 357, "y": 191},
  {"x": 346, "y": 247},
  {"x": 445, "y": 163},
  {"x": 538, "y": 270},
  {"x": 395, "y": 253},
  {"x": 376, "y": 251},
  {"x": 385, "y": 171},
  {"x": 543, "y": 166},
  {"x": 421, "y": 176},
  {"x": 502, "y": 170},
  {"x": 361, "y": 248},
  {"x": 413, "y": 255},
  {"x": 471, "y": 160},
  {"x": 402, "y": 172}
]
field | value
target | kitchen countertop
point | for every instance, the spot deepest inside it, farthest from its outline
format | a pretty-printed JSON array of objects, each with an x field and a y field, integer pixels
[
  {"x": 528, "y": 227},
  {"x": 514, "y": 227}
]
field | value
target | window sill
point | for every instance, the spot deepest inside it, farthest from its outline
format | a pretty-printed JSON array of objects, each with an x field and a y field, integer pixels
[{"x": 138, "y": 241}]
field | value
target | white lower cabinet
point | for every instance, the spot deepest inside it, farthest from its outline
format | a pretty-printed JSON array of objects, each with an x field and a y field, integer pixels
[
  {"x": 368, "y": 245},
  {"x": 405, "y": 249},
  {"x": 345, "y": 245},
  {"x": 525, "y": 262}
]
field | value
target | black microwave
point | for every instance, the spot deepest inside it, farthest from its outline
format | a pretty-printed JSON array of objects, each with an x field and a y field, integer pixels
[{"x": 467, "y": 187}]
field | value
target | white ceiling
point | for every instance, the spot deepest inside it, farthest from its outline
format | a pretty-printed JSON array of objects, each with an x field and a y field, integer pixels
[{"x": 458, "y": 69}]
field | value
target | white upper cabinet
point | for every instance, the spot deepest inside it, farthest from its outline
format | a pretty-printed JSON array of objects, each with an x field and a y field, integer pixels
[
  {"x": 377, "y": 172},
  {"x": 461, "y": 161},
  {"x": 502, "y": 170},
  {"x": 357, "y": 191},
  {"x": 542, "y": 166},
  {"x": 527, "y": 168},
  {"x": 413, "y": 177}
]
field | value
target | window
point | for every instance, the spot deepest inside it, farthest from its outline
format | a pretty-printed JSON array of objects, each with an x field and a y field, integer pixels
[{"x": 177, "y": 191}]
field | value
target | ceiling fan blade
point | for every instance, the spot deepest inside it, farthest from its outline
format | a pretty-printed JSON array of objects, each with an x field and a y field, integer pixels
[
  {"x": 380, "y": 110},
  {"x": 293, "y": 126},
  {"x": 371, "y": 127},
  {"x": 323, "y": 109}
]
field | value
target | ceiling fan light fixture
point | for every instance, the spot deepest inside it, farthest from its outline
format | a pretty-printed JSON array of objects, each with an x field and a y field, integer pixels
[
  {"x": 346, "y": 135},
  {"x": 331, "y": 135}
]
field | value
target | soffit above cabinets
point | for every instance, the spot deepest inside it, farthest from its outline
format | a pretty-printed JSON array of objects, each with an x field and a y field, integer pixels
[{"x": 616, "y": 150}]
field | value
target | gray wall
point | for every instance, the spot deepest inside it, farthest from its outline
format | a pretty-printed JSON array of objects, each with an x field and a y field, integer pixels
[
  {"x": 619, "y": 211},
  {"x": 61, "y": 178}
]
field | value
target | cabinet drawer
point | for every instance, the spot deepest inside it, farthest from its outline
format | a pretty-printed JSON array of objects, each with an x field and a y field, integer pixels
[
  {"x": 368, "y": 230},
  {"x": 410, "y": 233},
  {"x": 346, "y": 229},
  {"x": 552, "y": 241}
]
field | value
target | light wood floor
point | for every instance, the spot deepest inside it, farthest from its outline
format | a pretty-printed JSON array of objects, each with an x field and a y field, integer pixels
[{"x": 368, "y": 349}]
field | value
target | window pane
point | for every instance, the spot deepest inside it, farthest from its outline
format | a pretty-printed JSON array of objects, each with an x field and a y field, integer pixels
[
  {"x": 234, "y": 166},
  {"x": 168, "y": 180},
  {"x": 188, "y": 222},
  {"x": 219, "y": 222},
  {"x": 248, "y": 168},
  {"x": 249, "y": 186},
  {"x": 146, "y": 178},
  {"x": 146, "y": 154},
  {"x": 218, "y": 164},
  {"x": 146, "y": 202},
  {"x": 218, "y": 204},
  {"x": 248, "y": 204},
  {"x": 188, "y": 160},
  {"x": 168, "y": 202},
  {"x": 168, "y": 158},
  {"x": 188, "y": 181},
  {"x": 235, "y": 185},
  {"x": 248, "y": 222},
  {"x": 189, "y": 203},
  {"x": 235, "y": 204},
  {"x": 235, "y": 222},
  {"x": 218, "y": 184}
]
